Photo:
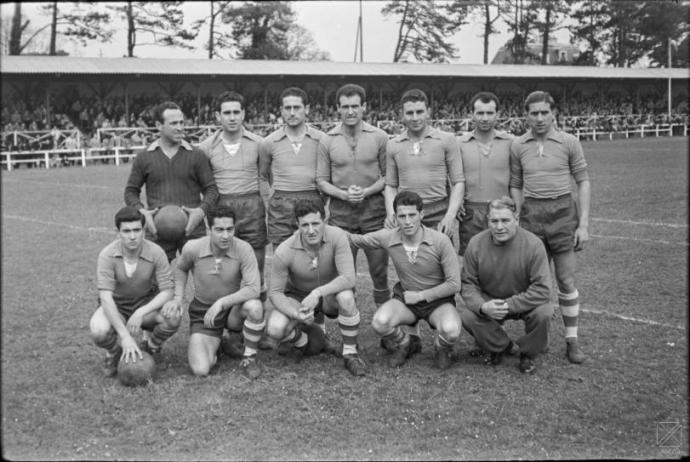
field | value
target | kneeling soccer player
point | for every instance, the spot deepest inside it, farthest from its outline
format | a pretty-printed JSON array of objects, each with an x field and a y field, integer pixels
[
  {"x": 506, "y": 276},
  {"x": 134, "y": 281},
  {"x": 429, "y": 275},
  {"x": 226, "y": 294},
  {"x": 313, "y": 271}
]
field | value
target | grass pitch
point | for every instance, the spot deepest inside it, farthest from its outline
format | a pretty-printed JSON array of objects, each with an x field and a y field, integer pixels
[{"x": 629, "y": 400}]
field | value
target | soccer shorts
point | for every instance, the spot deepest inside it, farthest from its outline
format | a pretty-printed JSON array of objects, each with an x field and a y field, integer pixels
[
  {"x": 250, "y": 217},
  {"x": 554, "y": 221},
  {"x": 434, "y": 213},
  {"x": 472, "y": 222},
  {"x": 197, "y": 311},
  {"x": 171, "y": 248},
  {"x": 281, "y": 213},
  {"x": 364, "y": 217},
  {"x": 421, "y": 310}
]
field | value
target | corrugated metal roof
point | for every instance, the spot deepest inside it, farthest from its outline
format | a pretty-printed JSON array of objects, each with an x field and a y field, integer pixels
[{"x": 14, "y": 65}]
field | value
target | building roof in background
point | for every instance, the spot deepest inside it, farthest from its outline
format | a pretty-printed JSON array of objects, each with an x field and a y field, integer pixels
[{"x": 53, "y": 65}]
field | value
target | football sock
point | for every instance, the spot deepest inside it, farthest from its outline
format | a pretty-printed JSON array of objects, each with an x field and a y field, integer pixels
[
  {"x": 398, "y": 336},
  {"x": 109, "y": 343},
  {"x": 251, "y": 332},
  {"x": 297, "y": 338},
  {"x": 160, "y": 334},
  {"x": 413, "y": 329},
  {"x": 570, "y": 309},
  {"x": 442, "y": 342},
  {"x": 381, "y": 296},
  {"x": 349, "y": 329}
]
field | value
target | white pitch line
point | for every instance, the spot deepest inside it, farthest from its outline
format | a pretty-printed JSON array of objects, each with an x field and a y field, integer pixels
[
  {"x": 646, "y": 223},
  {"x": 54, "y": 183},
  {"x": 52, "y": 223},
  {"x": 630, "y": 318},
  {"x": 639, "y": 239}
]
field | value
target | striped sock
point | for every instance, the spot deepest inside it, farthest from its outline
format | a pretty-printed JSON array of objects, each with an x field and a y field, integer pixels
[
  {"x": 349, "y": 328},
  {"x": 397, "y": 336},
  {"x": 160, "y": 334},
  {"x": 109, "y": 343},
  {"x": 570, "y": 309},
  {"x": 443, "y": 343},
  {"x": 251, "y": 332},
  {"x": 297, "y": 338}
]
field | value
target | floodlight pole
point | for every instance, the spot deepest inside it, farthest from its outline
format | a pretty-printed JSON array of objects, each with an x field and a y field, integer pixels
[
  {"x": 669, "y": 80},
  {"x": 358, "y": 37}
]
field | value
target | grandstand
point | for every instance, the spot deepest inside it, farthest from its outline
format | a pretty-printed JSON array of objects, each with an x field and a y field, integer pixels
[{"x": 64, "y": 109}]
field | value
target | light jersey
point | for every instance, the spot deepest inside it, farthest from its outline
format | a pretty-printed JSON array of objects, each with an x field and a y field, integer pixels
[
  {"x": 235, "y": 165},
  {"x": 290, "y": 166},
  {"x": 427, "y": 168},
  {"x": 486, "y": 166},
  {"x": 343, "y": 162}
]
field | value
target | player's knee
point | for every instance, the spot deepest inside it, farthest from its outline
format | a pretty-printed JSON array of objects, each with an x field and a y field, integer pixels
[
  {"x": 381, "y": 322},
  {"x": 275, "y": 328},
  {"x": 253, "y": 309},
  {"x": 346, "y": 302},
  {"x": 172, "y": 322},
  {"x": 99, "y": 327},
  {"x": 543, "y": 313},
  {"x": 566, "y": 284},
  {"x": 200, "y": 369},
  {"x": 450, "y": 328}
]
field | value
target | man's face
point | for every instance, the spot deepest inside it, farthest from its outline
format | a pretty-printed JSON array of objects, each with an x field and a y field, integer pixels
[
  {"x": 230, "y": 116},
  {"x": 172, "y": 127},
  {"x": 222, "y": 231},
  {"x": 484, "y": 116},
  {"x": 131, "y": 234},
  {"x": 351, "y": 110},
  {"x": 503, "y": 225},
  {"x": 311, "y": 228},
  {"x": 409, "y": 219},
  {"x": 540, "y": 117},
  {"x": 415, "y": 115},
  {"x": 294, "y": 111}
]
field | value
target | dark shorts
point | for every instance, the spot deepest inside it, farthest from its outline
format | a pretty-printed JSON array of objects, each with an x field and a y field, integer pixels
[
  {"x": 421, "y": 310},
  {"x": 171, "y": 248},
  {"x": 434, "y": 213},
  {"x": 473, "y": 222},
  {"x": 554, "y": 221},
  {"x": 365, "y": 217},
  {"x": 250, "y": 221},
  {"x": 281, "y": 213},
  {"x": 126, "y": 307},
  {"x": 300, "y": 295},
  {"x": 197, "y": 311}
]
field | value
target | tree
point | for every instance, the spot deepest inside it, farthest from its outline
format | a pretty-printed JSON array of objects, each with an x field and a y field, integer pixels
[
  {"x": 82, "y": 24},
  {"x": 425, "y": 28},
  {"x": 553, "y": 14},
  {"x": 259, "y": 29},
  {"x": 661, "y": 22},
  {"x": 216, "y": 38},
  {"x": 483, "y": 11},
  {"x": 590, "y": 17},
  {"x": 623, "y": 44},
  {"x": 301, "y": 45},
  {"x": 520, "y": 16},
  {"x": 163, "y": 21}
]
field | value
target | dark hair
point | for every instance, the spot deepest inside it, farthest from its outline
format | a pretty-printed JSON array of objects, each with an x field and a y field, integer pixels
[
  {"x": 539, "y": 97},
  {"x": 161, "y": 108},
  {"x": 485, "y": 97},
  {"x": 294, "y": 91},
  {"x": 220, "y": 212},
  {"x": 306, "y": 206},
  {"x": 414, "y": 95},
  {"x": 226, "y": 97},
  {"x": 408, "y": 198},
  {"x": 128, "y": 214},
  {"x": 350, "y": 89},
  {"x": 504, "y": 202}
]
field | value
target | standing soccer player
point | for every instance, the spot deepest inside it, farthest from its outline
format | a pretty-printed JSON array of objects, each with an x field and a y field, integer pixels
[
  {"x": 351, "y": 169},
  {"x": 226, "y": 294},
  {"x": 234, "y": 155},
  {"x": 313, "y": 272},
  {"x": 134, "y": 282},
  {"x": 173, "y": 173},
  {"x": 423, "y": 160},
  {"x": 485, "y": 154},
  {"x": 542, "y": 162},
  {"x": 429, "y": 275},
  {"x": 287, "y": 160}
]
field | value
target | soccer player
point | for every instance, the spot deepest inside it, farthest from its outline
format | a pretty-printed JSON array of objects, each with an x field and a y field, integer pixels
[
  {"x": 424, "y": 160},
  {"x": 429, "y": 275},
  {"x": 506, "y": 276},
  {"x": 226, "y": 294},
  {"x": 313, "y": 272},
  {"x": 351, "y": 169},
  {"x": 542, "y": 162},
  {"x": 173, "y": 173},
  {"x": 485, "y": 154},
  {"x": 134, "y": 281},
  {"x": 287, "y": 160},
  {"x": 234, "y": 155}
]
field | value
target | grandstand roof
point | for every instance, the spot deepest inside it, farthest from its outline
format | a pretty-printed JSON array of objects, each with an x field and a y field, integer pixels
[{"x": 54, "y": 65}]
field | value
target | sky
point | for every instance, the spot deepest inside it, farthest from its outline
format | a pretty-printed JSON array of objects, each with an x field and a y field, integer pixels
[{"x": 333, "y": 25}]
